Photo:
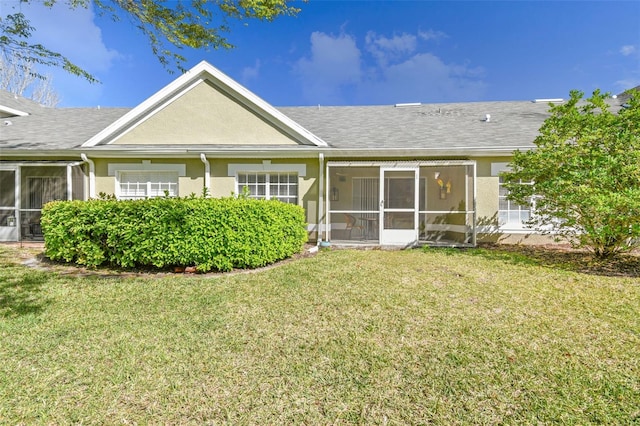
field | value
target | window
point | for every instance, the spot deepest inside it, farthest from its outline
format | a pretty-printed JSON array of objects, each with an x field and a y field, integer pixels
[
  {"x": 510, "y": 214},
  {"x": 136, "y": 184},
  {"x": 280, "y": 186}
]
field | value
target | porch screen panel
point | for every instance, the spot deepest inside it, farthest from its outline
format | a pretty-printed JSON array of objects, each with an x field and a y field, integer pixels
[
  {"x": 366, "y": 194},
  {"x": 77, "y": 183},
  {"x": 446, "y": 204},
  {"x": 42, "y": 190},
  {"x": 7, "y": 198}
]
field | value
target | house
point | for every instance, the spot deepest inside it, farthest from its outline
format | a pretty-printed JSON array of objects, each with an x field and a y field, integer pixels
[{"x": 389, "y": 174}]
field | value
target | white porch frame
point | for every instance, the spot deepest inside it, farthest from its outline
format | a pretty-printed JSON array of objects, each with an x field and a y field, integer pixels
[
  {"x": 16, "y": 167},
  {"x": 404, "y": 166}
]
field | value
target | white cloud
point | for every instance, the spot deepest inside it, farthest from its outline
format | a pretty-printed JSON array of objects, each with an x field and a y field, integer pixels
[
  {"x": 386, "y": 49},
  {"x": 424, "y": 78},
  {"x": 73, "y": 33},
  {"x": 389, "y": 70},
  {"x": 628, "y": 50},
  {"x": 431, "y": 35},
  {"x": 333, "y": 64},
  {"x": 251, "y": 73}
]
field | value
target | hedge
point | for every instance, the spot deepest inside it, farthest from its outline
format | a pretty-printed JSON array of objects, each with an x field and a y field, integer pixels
[{"x": 210, "y": 234}]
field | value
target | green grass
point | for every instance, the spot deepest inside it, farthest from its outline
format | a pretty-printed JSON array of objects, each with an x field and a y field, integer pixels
[{"x": 345, "y": 337}]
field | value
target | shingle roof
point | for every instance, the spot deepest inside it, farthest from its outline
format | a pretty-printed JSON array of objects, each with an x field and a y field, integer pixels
[
  {"x": 624, "y": 96},
  {"x": 511, "y": 124},
  {"x": 428, "y": 126},
  {"x": 51, "y": 128}
]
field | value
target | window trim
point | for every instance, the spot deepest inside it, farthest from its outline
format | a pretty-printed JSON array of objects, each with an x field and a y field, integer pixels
[
  {"x": 266, "y": 167},
  {"x": 267, "y": 185},
  {"x": 115, "y": 169},
  {"x": 496, "y": 169},
  {"x": 149, "y": 183}
]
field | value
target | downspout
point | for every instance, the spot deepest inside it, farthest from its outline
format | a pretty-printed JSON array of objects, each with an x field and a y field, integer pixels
[
  {"x": 207, "y": 174},
  {"x": 320, "y": 197},
  {"x": 92, "y": 175}
]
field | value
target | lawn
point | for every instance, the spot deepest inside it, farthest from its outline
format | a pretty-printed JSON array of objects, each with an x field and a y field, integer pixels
[{"x": 344, "y": 337}]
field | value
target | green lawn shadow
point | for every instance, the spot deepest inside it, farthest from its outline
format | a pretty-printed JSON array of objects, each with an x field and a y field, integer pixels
[{"x": 563, "y": 258}]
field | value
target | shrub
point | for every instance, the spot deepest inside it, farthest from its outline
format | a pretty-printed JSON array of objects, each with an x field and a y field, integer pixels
[{"x": 211, "y": 234}]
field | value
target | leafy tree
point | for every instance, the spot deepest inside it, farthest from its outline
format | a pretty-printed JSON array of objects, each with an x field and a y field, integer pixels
[
  {"x": 585, "y": 174},
  {"x": 168, "y": 25}
]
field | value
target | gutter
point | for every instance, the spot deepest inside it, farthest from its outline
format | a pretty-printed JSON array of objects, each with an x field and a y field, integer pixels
[{"x": 92, "y": 175}]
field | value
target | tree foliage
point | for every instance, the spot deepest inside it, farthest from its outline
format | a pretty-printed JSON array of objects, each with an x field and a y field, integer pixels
[
  {"x": 585, "y": 171},
  {"x": 169, "y": 26}
]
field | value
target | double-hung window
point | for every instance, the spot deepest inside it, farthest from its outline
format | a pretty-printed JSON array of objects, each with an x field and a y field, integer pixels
[
  {"x": 511, "y": 216},
  {"x": 274, "y": 185},
  {"x": 147, "y": 184}
]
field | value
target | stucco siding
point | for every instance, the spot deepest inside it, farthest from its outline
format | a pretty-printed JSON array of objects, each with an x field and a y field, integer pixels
[{"x": 204, "y": 116}]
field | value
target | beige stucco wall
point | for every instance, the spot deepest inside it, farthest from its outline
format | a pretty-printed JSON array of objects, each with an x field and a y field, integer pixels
[
  {"x": 193, "y": 182},
  {"x": 487, "y": 191},
  {"x": 204, "y": 115},
  {"x": 222, "y": 185}
]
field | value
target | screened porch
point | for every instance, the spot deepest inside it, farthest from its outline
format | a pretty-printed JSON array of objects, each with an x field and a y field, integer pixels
[
  {"x": 26, "y": 187},
  {"x": 401, "y": 203}
]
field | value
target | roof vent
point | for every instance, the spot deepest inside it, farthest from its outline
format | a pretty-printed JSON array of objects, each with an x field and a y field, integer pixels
[
  {"x": 410, "y": 104},
  {"x": 8, "y": 123},
  {"x": 549, "y": 100},
  {"x": 487, "y": 118}
]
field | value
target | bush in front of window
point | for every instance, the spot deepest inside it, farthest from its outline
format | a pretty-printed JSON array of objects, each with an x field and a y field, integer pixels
[{"x": 210, "y": 234}]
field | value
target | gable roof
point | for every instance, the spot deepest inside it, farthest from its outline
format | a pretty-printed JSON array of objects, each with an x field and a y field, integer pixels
[{"x": 186, "y": 82}]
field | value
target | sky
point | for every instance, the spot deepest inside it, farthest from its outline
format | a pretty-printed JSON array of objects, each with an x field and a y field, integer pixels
[{"x": 367, "y": 52}]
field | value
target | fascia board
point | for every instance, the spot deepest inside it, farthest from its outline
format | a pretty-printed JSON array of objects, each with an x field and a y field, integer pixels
[
  {"x": 14, "y": 112},
  {"x": 204, "y": 71}
]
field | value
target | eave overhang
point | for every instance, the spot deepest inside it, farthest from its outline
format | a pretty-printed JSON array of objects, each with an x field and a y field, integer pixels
[{"x": 120, "y": 151}]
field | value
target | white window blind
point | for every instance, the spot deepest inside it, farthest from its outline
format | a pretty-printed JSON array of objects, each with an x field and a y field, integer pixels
[{"x": 147, "y": 184}]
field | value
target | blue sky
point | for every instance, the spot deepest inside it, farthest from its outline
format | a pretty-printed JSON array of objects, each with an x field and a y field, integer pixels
[{"x": 370, "y": 52}]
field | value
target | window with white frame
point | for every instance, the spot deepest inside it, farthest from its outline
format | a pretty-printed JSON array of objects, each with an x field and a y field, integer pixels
[
  {"x": 147, "y": 184},
  {"x": 511, "y": 214},
  {"x": 282, "y": 186}
]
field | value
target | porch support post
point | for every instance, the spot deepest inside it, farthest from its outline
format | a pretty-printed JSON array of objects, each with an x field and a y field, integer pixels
[
  {"x": 320, "y": 197},
  {"x": 475, "y": 209},
  {"x": 69, "y": 182},
  {"x": 18, "y": 202}
]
